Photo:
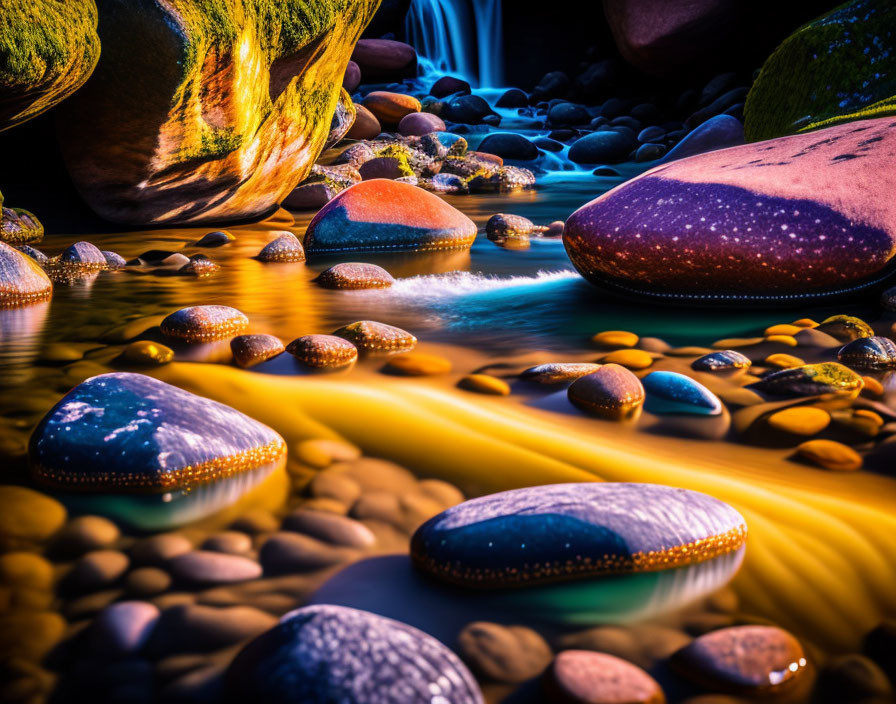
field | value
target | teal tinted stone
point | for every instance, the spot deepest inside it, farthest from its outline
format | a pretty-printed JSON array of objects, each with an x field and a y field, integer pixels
[{"x": 671, "y": 392}]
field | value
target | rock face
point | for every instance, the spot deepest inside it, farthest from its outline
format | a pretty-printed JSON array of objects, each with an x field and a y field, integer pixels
[
  {"x": 149, "y": 453},
  {"x": 839, "y": 68},
  {"x": 22, "y": 281},
  {"x": 572, "y": 531},
  {"x": 661, "y": 37},
  {"x": 206, "y": 109},
  {"x": 313, "y": 656},
  {"x": 47, "y": 50},
  {"x": 386, "y": 215},
  {"x": 799, "y": 217}
]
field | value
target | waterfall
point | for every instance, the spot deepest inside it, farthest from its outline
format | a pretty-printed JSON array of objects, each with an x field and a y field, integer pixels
[{"x": 463, "y": 38}]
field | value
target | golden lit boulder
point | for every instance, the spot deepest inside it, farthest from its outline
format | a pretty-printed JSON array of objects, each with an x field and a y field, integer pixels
[
  {"x": 206, "y": 110},
  {"x": 48, "y": 49}
]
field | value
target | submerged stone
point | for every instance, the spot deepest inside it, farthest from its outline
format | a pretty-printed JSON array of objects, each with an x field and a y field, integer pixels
[
  {"x": 249, "y": 350},
  {"x": 22, "y": 281},
  {"x": 355, "y": 275},
  {"x": 147, "y": 352},
  {"x": 200, "y": 266},
  {"x": 35, "y": 254},
  {"x": 141, "y": 451},
  {"x": 324, "y": 351},
  {"x": 811, "y": 380},
  {"x": 868, "y": 353},
  {"x": 285, "y": 248},
  {"x": 387, "y": 215},
  {"x": 721, "y": 361},
  {"x": 83, "y": 256},
  {"x": 313, "y": 656},
  {"x": 568, "y": 549},
  {"x": 371, "y": 336},
  {"x": 611, "y": 392},
  {"x": 113, "y": 260},
  {"x": 671, "y": 392},
  {"x": 215, "y": 239},
  {"x": 204, "y": 323},
  {"x": 558, "y": 372},
  {"x": 767, "y": 222}
]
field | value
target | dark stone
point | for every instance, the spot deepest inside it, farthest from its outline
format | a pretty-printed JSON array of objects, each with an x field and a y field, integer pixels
[
  {"x": 449, "y": 85},
  {"x": 551, "y": 85},
  {"x": 509, "y": 145},
  {"x": 650, "y": 152},
  {"x": 568, "y": 114},
  {"x": 466, "y": 109},
  {"x": 548, "y": 144},
  {"x": 513, "y": 98},
  {"x": 651, "y": 134},
  {"x": 719, "y": 132},
  {"x": 602, "y": 147}
]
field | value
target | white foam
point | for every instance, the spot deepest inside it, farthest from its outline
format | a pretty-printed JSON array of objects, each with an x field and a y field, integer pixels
[{"x": 432, "y": 287}]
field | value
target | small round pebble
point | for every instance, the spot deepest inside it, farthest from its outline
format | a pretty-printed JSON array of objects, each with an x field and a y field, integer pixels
[
  {"x": 723, "y": 360},
  {"x": 370, "y": 336},
  {"x": 204, "y": 323},
  {"x": 558, "y": 372},
  {"x": 800, "y": 420},
  {"x": 285, "y": 248},
  {"x": 612, "y": 392},
  {"x": 355, "y": 275},
  {"x": 98, "y": 569},
  {"x": 339, "y": 530},
  {"x": 209, "y": 567},
  {"x": 484, "y": 384},
  {"x": 615, "y": 338},
  {"x": 147, "y": 581},
  {"x": 830, "y": 454},
  {"x": 84, "y": 256},
  {"x": 148, "y": 353},
  {"x": 779, "y": 360},
  {"x": 86, "y": 533},
  {"x": 504, "y": 653},
  {"x": 249, "y": 350},
  {"x": 28, "y": 516},
  {"x": 215, "y": 239},
  {"x": 630, "y": 359},
  {"x": 322, "y": 452},
  {"x": 417, "y": 364},
  {"x": 158, "y": 549},
  {"x": 845, "y": 327},
  {"x": 124, "y": 627},
  {"x": 587, "y": 677},
  {"x": 233, "y": 542},
  {"x": 672, "y": 393},
  {"x": 747, "y": 660},
  {"x": 323, "y": 351},
  {"x": 113, "y": 260}
]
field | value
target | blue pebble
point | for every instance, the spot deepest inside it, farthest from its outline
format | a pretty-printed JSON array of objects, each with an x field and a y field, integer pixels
[{"x": 671, "y": 393}]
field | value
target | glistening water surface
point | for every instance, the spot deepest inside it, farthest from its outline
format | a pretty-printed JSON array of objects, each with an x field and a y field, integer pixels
[{"x": 821, "y": 553}]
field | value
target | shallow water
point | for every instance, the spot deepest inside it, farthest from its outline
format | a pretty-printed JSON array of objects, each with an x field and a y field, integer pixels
[{"x": 821, "y": 557}]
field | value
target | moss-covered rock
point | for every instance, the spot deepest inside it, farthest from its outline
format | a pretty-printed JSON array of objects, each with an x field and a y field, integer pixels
[
  {"x": 47, "y": 50},
  {"x": 207, "y": 109},
  {"x": 837, "y": 68}
]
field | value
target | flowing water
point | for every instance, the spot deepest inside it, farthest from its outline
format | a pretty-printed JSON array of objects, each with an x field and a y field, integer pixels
[{"x": 822, "y": 546}]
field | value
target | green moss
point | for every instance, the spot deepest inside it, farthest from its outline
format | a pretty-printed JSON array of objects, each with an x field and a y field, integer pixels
[
  {"x": 837, "y": 68},
  {"x": 400, "y": 153},
  {"x": 47, "y": 50}
]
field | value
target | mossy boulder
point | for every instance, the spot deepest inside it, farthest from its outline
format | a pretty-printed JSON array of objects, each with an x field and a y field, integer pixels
[
  {"x": 48, "y": 49},
  {"x": 838, "y": 68},
  {"x": 206, "y": 110}
]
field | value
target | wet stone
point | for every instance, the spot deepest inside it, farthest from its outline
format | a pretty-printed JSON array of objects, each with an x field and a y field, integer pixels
[
  {"x": 558, "y": 372},
  {"x": 811, "y": 380},
  {"x": 113, "y": 260},
  {"x": 830, "y": 454},
  {"x": 34, "y": 253},
  {"x": 97, "y": 569},
  {"x": 323, "y": 351},
  {"x": 22, "y": 281},
  {"x": 84, "y": 256},
  {"x": 86, "y": 533},
  {"x": 249, "y": 350},
  {"x": 124, "y": 627},
  {"x": 503, "y": 225},
  {"x": 311, "y": 656},
  {"x": 674, "y": 393},
  {"x": 284, "y": 248},
  {"x": 215, "y": 239},
  {"x": 586, "y": 677},
  {"x": 845, "y": 327},
  {"x": 612, "y": 392},
  {"x": 355, "y": 275},
  {"x": 746, "y": 660},
  {"x": 417, "y": 364},
  {"x": 484, "y": 384},
  {"x": 868, "y": 353},
  {"x": 204, "y": 323},
  {"x": 18, "y": 226},
  {"x": 372, "y": 337},
  {"x": 200, "y": 266},
  {"x": 724, "y": 360}
]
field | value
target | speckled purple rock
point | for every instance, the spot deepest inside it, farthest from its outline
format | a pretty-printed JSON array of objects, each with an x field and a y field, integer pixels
[
  {"x": 326, "y": 654},
  {"x": 809, "y": 216}
]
